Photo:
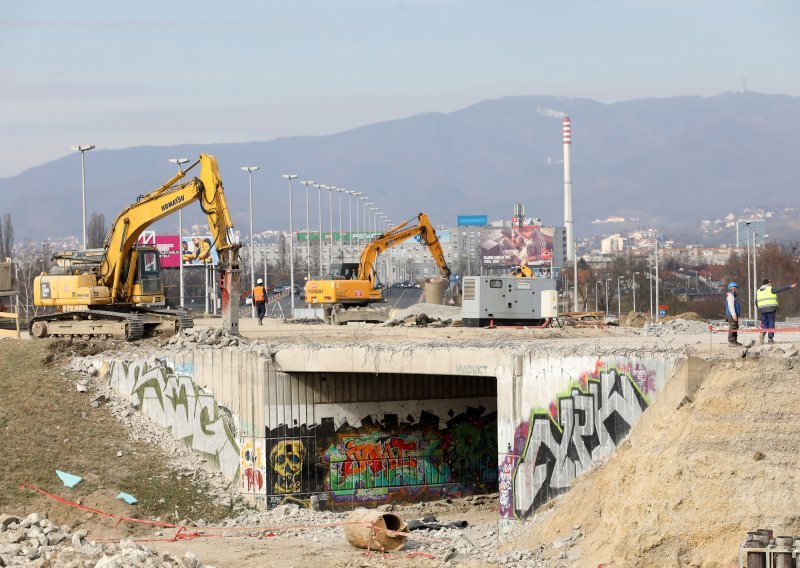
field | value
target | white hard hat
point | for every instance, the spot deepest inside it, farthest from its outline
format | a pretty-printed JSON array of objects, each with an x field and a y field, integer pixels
[{"x": 259, "y": 281}]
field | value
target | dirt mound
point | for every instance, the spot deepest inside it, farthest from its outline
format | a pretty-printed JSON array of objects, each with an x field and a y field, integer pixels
[
  {"x": 633, "y": 319},
  {"x": 686, "y": 490},
  {"x": 692, "y": 316}
]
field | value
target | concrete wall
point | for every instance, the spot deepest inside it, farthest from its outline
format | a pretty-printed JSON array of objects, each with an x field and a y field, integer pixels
[{"x": 352, "y": 425}]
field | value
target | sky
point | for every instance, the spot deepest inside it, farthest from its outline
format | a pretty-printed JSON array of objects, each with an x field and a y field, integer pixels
[{"x": 123, "y": 74}]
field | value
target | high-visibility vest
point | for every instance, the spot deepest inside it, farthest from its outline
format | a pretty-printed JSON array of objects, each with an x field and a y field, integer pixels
[
  {"x": 259, "y": 294},
  {"x": 766, "y": 298}
]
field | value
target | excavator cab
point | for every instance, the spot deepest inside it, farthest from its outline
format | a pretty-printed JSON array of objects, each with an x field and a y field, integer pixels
[
  {"x": 148, "y": 287},
  {"x": 345, "y": 271}
]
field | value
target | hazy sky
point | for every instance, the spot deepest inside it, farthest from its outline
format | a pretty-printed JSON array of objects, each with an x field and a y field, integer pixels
[{"x": 121, "y": 74}]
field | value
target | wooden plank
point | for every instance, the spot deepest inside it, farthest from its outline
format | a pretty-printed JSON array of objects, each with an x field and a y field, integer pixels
[
  {"x": 9, "y": 333},
  {"x": 9, "y": 315}
]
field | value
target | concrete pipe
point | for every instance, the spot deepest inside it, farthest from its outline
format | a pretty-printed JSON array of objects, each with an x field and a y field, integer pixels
[
  {"x": 375, "y": 530},
  {"x": 434, "y": 289}
]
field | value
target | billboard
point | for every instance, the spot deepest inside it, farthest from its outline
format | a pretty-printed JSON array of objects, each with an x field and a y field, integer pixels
[
  {"x": 512, "y": 246},
  {"x": 198, "y": 251},
  {"x": 167, "y": 246}
]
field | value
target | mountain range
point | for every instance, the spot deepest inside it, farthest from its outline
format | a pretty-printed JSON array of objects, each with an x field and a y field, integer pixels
[{"x": 666, "y": 162}]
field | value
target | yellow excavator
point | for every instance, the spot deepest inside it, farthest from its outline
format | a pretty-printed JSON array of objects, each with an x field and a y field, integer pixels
[
  {"x": 117, "y": 291},
  {"x": 352, "y": 285}
]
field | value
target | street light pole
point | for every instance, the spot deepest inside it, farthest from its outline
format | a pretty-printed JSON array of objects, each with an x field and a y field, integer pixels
[
  {"x": 619, "y": 299},
  {"x": 755, "y": 276},
  {"x": 633, "y": 285},
  {"x": 319, "y": 187},
  {"x": 331, "y": 189},
  {"x": 290, "y": 177},
  {"x": 749, "y": 293},
  {"x": 250, "y": 170},
  {"x": 341, "y": 190},
  {"x": 596, "y": 295},
  {"x": 179, "y": 162},
  {"x": 607, "y": 282},
  {"x": 83, "y": 149},
  {"x": 308, "y": 233},
  {"x": 350, "y": 215}
]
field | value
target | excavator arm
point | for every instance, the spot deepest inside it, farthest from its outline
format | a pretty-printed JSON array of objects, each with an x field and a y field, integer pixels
[
  {"x": 169, "y": 198},
  {"x": 396, "y": 235}
]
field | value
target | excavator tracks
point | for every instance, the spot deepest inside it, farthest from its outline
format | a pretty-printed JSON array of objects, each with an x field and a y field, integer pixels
[
  {"x": 88, "y": 323},
  {"x": 127, "y": 325}
]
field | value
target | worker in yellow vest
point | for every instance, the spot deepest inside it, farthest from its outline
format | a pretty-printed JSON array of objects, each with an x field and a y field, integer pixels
[
  {"x": 260, "y": 300},
  {"x": 767, "y": 304}
]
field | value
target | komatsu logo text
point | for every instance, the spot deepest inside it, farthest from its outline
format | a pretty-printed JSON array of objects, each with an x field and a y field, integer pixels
[{"x": 172, "y": 203}]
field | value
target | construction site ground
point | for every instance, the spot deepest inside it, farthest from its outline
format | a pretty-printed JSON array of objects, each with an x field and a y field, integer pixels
[{"x": 680, "y": 492}]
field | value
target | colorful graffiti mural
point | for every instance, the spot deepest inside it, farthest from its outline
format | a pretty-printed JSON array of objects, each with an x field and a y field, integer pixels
[
  {"x": 253, "y": 467},
  {"x": 176, "y": 403},
  {"x": 383, "y": 460},
  {"x": 581, "y": 427}
]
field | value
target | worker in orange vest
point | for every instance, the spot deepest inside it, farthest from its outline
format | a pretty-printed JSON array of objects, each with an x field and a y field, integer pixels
[{"x": 260, "y": 300}]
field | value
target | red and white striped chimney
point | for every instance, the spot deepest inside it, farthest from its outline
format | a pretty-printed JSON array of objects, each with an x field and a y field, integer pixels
[{"x": 568, "y": 189}]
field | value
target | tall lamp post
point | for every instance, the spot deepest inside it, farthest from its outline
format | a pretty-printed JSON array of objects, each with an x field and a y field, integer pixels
[
  {"x": 320, "y": 187},
  {"x": 749, "y": 289},
  {"x": 83, "y": 148},
  {"x": 341, "y": 190},
  {"x": 633, "y": 287},
  {"x": 250, "y": 170},
  {"x": 608, "y": 280},
  {"x": 179, "y": 162},
  {"x": 596, "y": 296},
  {"x": 289, "y": 178},
  {"x": 308, "y": 233},
  {"x": 330, "y": 189},
  {"x": 619, "y": 299}
]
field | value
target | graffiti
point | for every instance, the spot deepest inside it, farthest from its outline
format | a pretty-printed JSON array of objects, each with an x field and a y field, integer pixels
[
  {"x": 253, "y": 466},
  {"x": 176, "y": 403},
  {"x": 580, "y": 428},
  {"x": 414, "y": 461},
  {"x": 286, "y": 459}
]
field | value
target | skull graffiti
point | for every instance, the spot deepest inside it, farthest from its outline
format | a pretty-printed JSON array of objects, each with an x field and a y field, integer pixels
[{"x": 286, "y": 459}]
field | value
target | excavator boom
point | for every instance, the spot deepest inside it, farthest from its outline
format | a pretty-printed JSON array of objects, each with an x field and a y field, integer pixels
[{"x": 122, "y": 277}]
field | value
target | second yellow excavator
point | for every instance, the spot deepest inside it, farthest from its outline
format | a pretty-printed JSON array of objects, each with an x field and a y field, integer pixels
[{"x": 353, "y": 284}]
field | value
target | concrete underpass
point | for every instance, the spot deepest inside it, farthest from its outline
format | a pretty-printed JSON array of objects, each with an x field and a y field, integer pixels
[{"x": 350, "y": 425}]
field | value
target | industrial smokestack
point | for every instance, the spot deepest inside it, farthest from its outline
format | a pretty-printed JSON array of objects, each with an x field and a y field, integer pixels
[{"x": 568, "y": 190}]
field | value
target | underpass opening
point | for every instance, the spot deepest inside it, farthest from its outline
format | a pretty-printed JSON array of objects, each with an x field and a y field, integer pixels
[{"x": 344, "y": 440}]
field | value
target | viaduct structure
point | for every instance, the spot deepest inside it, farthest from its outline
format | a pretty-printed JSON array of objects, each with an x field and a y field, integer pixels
[{"x": 348, "y": 426}]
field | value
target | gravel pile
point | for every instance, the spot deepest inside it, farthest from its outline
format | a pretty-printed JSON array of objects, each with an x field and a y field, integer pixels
[
  {"x": 676, "y": 326},
  {"x": 37, "y": 541},
  {"x": 433, "y": 312}
]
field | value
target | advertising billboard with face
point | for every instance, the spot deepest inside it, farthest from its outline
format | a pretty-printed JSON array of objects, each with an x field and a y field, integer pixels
[
  {"x": 512, "y": 246},
  {"x": 198, "y": 251}
]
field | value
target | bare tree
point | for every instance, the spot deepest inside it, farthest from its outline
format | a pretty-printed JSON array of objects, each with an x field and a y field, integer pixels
[{"x": 96, "y": 231}]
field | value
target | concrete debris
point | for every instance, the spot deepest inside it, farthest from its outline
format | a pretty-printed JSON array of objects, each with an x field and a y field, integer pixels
[
  {"x": 413, "y": 315},
  {"x": 37, "y": 541},
  {"x": 672, "y": 327}
]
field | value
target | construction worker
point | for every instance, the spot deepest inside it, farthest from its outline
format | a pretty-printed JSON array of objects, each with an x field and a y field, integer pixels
[
  {"x": 732, "y": 311},
  {"x": 767, "y": 304},
  {"x": 260, "y": 300}
]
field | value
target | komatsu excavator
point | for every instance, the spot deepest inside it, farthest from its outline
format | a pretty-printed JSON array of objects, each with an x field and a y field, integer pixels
[
  {"x": 353, "y": 284},
  {"x": 115, "y": 291}
]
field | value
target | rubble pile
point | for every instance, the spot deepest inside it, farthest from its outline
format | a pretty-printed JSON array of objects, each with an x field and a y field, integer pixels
[
  {"x": 425, "y": 314},
  {"x": 675, "y": 326},
  {"x": 37, "y": 541},
  {"x": 204, "y": 337}
]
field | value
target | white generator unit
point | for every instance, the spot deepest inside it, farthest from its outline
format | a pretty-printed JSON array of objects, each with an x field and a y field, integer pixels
[{"x": 507, "y": 300}]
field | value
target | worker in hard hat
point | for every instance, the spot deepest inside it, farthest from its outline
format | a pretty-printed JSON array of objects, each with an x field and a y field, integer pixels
[
  {"x": 732, "y": 311},
  {"x": 260, "y": 300}
]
